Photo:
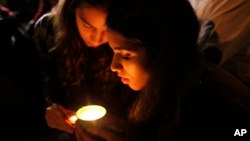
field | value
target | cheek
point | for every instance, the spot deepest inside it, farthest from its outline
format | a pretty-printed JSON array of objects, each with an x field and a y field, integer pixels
[
  {"x": 139, "y": 76},
  {"x": 83, "y": 33},
  {"x": 142, "y": 80}
]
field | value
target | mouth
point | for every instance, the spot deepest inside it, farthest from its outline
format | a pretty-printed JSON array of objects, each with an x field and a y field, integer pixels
[
  {"x": 93, "y": 46},
  {"x": 124, "y": 80},
  {"x": 89, "y": 44}
]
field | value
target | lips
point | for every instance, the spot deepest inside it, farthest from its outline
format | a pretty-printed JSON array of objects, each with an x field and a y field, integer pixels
[
  {"x": 93, "y": 45},
  {"x": 124, "y": 80}
]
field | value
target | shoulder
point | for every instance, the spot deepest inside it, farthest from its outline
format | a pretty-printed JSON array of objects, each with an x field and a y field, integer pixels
[
  {"x": 45, "y": 20},
  {"x": 44, "y": 26},
  {"x": 224, "y": 79},
  {"x": 44, "y": 32},
  {"x": 224, "y": 90},
  {"x": 221, "y": 105}
]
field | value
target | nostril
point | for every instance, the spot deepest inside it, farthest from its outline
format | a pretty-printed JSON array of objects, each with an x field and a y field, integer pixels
[
  {"x": 113, "y": 68},
  {"x": 115, "y": 65}
]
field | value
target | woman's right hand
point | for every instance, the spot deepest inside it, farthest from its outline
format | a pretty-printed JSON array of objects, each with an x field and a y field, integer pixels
[{"x": 57, "y": 117}]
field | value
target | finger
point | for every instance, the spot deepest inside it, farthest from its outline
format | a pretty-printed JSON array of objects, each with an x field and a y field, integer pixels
[
  {"x": 66, "y": 111},
  {"x": 53, "y": 106},
  {"x": 60, "y": 125},
  {"x": 55, "y": 118},
  {"x": 55, "y": 111},
  {"x": 70, "y": 116}
]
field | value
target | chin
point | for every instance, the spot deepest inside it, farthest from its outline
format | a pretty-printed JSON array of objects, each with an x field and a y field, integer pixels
[
  {"x": 134, "y": 88},
  {"x": 93, "y": 46}
]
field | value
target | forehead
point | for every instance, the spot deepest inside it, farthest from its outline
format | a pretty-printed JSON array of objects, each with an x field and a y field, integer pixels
[
  {"x": 119, "y": 42},
  {"x": 95, "y": 16}
]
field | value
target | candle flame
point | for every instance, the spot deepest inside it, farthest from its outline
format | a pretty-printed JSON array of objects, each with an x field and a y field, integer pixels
[{"x": 73, "y": 119}]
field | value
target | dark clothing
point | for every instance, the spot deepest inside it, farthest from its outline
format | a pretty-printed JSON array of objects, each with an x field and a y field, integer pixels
[
  {"x": 21, "y": 102},
  {"x": 216, "y": 108}
]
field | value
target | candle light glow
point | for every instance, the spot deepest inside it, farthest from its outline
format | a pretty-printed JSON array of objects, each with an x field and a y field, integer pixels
[
  {"x": 91, "y": 112},
  {"x": 72, "y": 119}
]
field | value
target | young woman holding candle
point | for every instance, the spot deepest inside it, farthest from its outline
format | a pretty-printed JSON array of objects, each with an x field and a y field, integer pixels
[
  {"x": 75, "y": 59},
  {"x": 181, "y": 96}
]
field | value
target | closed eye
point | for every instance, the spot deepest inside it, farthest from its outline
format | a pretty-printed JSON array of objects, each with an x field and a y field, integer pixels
[
  {"x": 126, "y": 56},
  {"x": 87, "y": 25}
]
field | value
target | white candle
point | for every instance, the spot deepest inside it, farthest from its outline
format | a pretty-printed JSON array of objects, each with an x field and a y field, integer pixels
[{"x": 91, "y": 112}]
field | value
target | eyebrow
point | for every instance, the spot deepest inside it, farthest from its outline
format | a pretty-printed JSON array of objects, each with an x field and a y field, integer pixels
[
  {"x": 129, "y": 48},
  {"x": 119, "y": 48}
]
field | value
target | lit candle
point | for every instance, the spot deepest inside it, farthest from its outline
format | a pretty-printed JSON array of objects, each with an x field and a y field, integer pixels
[
  {"x": 91, "y": 112},
  {"x": 91, "y": 116}
]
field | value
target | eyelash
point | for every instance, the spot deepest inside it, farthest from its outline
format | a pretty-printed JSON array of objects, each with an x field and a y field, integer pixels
[
  {"x": 87, "y": 26},
  {"x": 126, "y": 56}
]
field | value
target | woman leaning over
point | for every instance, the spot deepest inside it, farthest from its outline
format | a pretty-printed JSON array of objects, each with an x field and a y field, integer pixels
[
  {"x": 181, "y": 96},
  {"x": 75, "y": 62}
]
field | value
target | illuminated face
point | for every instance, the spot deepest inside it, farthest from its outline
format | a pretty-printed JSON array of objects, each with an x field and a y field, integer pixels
[
  {"x": 128, "y": 61},
  {"x": 91, "y": 25}
]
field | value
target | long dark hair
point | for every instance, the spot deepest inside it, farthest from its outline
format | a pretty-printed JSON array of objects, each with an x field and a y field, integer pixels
[
  {"x": 169, "y": 32},
  {"x": 71, "y": 49}
]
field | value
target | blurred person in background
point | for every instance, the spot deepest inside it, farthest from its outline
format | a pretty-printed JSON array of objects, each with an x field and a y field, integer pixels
[
  {"x": 21, "y": 101},
  {"x": 225, "y": 25},
  {"x": 45, "y": 6}
]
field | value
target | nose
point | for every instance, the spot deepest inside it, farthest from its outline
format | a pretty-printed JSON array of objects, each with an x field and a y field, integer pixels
[
  {"x": 99, "y": 38},
  {"x": 116, "y": 64}
]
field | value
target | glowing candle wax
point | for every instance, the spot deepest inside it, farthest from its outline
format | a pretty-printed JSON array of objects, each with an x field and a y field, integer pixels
[{"x": 91, "y": 112}]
